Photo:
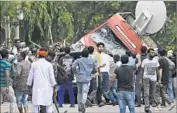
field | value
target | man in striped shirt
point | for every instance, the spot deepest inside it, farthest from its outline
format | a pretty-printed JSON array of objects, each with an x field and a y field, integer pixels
[{"x": 6, "y": 88}]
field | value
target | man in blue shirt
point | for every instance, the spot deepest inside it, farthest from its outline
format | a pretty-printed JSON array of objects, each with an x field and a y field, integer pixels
[
  {"x": 83, "y": 67},
  {"x": 6, "y": 88}
]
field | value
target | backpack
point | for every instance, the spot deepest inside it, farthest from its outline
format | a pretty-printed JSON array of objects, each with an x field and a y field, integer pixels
[
  {"x": 61, "y": 75},
  {"x": 171, "y": 67}
]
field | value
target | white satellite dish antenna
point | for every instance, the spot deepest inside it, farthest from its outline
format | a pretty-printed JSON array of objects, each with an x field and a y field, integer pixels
[{"x": 150, "y": 17}]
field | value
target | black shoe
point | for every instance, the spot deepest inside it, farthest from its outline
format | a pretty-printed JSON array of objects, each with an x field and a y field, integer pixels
[
  {"x": 83, "y": 108},
  {"x": 88, "y": 103},
  {"x": 147, "y": 110},
  {"x": 114, "y": 103},
  {"x": 153, "y": 105},
  {"x": 101, "y": 104},
  {"x": 106, "y": 96},
  {"x": 108, "y": 103},
  {"x": 72, "y": 105},
  {"x": 137, "y": 105}
]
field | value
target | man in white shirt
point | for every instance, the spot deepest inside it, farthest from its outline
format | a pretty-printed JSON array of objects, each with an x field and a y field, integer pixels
[
  {"x": 41, "y": 79},
  {"x": 149, "y": 72},
  {"x": 104, "y": 68}
]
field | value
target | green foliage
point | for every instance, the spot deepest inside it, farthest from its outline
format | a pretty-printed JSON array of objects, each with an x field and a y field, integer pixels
[
  {"x": 9, "y": 8},
  {"x": 166, "y": 37},
  {"x": 70, "y": 20}
]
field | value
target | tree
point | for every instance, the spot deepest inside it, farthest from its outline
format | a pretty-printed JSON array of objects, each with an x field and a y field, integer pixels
[
  {"x": 52, "y": 21},
  {"x": 166, "y": 37}
]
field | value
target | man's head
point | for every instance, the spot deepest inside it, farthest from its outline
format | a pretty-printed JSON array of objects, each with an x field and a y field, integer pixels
[
  {"x": 143, "y": 49},
  {"x": 42, "y": 52},
  {"x": 33, "y": 51},
  {"x": 116, "y": 58},
  {"x": 170, "y": 53},
  {"x": 17, "y": 43},
  {"x": 129, "y": 53},
  {"x": 50, "y": 56},
  {"x": 85, "y": 52},
  {"x": 134, "y": 55},
  {"x": 100, "y": 47},
  {"x": 151, "y": 53},
  {"x": 67, "y": 50},
  {"x": 124, "y": 59},
  {"x": 91, "y": 49},
  {"x": 21, "y": 56},
  {"x": 162, "y": 52},
  {"x": 62, "y": 49},
  {"x": 4, "y": 53}
]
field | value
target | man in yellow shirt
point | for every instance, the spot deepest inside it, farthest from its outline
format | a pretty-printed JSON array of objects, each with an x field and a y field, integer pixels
[{"x": 103, "y": 69}]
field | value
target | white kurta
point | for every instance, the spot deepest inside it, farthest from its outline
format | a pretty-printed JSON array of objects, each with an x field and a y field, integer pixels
[{"x": 42, "y": 80}]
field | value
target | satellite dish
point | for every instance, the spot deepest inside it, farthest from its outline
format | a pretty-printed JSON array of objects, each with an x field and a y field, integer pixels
[{"x": 150, "y": 16}]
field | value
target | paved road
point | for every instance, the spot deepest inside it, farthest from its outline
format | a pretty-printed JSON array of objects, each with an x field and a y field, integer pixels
[{"x": 95, "y": 109}]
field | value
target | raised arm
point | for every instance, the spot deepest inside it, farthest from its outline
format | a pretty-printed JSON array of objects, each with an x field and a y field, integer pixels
[
  {"x": 139, "y": 62},
  {"x": 142, "y": 68}
]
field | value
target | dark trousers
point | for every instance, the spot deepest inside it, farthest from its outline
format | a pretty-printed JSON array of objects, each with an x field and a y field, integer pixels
[
  {"x": 42, "y": 109},
  {"x": 61, "y": 92},
  {"x": 92, "y": 90},
  {"x": 93, "y": 85},
  {"x": 99, "y": 92},
  {"x": 138, "y": 89}
]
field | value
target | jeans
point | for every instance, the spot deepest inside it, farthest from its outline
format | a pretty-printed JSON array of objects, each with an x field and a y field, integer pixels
[
  {"x": 11, "y": 97},
  {"x": 170, "y": 89},
  {"x": 105, "y": 77},
  {"x": 61, "y": 92},
  {"x": 149, "y": 86},
  {"x": 22, "y": 98},
  {"x": 126, "y": 98},
  {"x": 175, "y": 86},
  {"x": 113, "y": 93},
  {"x": 164, "y": 95},
  {"x": 83, "y": 89}
]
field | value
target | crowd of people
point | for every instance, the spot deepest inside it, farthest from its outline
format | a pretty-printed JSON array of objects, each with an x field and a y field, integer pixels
[{"x": 131, "y": 80}]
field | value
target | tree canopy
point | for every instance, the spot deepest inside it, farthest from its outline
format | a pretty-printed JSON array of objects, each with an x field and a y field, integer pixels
[{"x": 52, "y": 21}]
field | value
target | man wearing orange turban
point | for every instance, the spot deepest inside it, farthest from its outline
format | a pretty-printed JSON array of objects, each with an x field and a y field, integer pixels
[{"x": 41, "y": 79}]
